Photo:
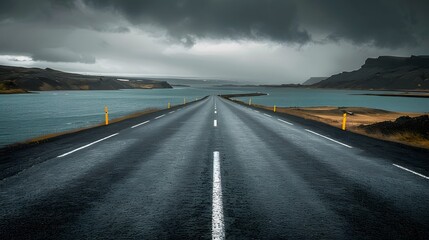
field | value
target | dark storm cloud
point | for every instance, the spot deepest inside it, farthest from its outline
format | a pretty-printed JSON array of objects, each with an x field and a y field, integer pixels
[
  {"x": 243, "y": 19},
  {"x": 384, "y": 23},
  {"x": 114, "y": 35}
]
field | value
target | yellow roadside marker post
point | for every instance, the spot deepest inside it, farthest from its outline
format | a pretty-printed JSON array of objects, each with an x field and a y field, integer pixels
[
  {"x": 250, "y": 101},
  {"x": 168, "y": 105},
  {"x": 106, "y": 111},
  {"x": 344, "y": 121},
  {"x": 274, "y": 109},
  {"x": 184, "y": 100}
]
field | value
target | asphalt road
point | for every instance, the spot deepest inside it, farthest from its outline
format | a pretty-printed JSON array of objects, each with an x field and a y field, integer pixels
[{"x": 214, "y": 169}]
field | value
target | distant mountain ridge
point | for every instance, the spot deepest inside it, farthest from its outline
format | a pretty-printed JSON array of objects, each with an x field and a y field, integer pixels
[
  {"x": 19, "y": 79},
  {"x": 313, "y": 80},
  {"x": 384, "y": 73}
]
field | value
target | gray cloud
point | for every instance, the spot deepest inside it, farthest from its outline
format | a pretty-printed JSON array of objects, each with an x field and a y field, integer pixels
[
  {"x": 61, "y": 55},
  {"x": 238, "y": 19},
  {"x": 272, "y": 40},
  {"x": 384, "y": 23}
]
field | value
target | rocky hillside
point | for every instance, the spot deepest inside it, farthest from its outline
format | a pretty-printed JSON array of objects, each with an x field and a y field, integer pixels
[
  {"x": 18, "y": 80},
  {"x": 384, "y": 73},
  {"x": 313, "y": 80}
]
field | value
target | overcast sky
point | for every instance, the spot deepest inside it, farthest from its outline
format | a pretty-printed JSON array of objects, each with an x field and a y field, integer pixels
[{"x": 271, "y": 41}]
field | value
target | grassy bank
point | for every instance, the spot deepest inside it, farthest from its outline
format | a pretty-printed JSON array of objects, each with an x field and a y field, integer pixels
[{"x": 411, "y": 130}]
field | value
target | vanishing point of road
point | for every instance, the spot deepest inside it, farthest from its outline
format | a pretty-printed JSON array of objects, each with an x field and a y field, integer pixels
[{"x": 214, "y": 169}]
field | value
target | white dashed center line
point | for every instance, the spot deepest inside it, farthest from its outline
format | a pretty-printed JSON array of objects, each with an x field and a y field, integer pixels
[
  {"x": 87, "y": 145},
  {"x": 330, "y": 139},
  {"x": 267, "y": 115},
  {"x": 160, "y": 116},
  {"x": 218, "y": 231},
  {"x": 140, "y": 124},
  {"x": 283, "y": 121},
  {"x": 215, "y": 123},
  {"x": 411, "y": 171}
]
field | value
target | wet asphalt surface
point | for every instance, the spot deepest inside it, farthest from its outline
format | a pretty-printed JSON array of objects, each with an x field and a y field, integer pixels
[{"x": 155, "y": 181}]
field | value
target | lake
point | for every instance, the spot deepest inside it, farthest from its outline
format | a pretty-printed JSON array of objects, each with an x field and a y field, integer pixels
[{"x": 25, "y": 116}]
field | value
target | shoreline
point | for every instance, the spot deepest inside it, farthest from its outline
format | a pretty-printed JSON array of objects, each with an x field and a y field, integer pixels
[
  {"x": 112, "y": 122},
  {"x": 358, "y": 118},
  {"x": 423, "y": 95}
]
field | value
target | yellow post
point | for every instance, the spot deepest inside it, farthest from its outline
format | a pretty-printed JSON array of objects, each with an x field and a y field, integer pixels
[
  {"x": 184, "y": 100},
  {"x": 274, "y": 109},
  {"x": 168, "y": 105},
  {"x": 250, "y": 101},
  {"x": 106, "y": 111},
  {"x": 344, "y": 121}
]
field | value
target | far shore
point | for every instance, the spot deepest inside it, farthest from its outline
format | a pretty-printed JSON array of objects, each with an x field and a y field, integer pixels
[
  {"x": 357, "y": 119},
  {"x": 414, "y": 95}
]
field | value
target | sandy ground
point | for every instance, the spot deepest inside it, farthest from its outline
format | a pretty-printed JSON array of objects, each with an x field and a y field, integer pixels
[
  {"x": 360, "y": 116},
  {"x": 334, "y": 115}
]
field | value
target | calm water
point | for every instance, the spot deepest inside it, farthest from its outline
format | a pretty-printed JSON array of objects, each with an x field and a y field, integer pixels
[
  {"x": 24, "y": 116},
  {"x": 299, "y": 97}
]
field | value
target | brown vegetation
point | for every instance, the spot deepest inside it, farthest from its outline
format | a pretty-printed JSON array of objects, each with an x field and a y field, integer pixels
[{"x": 406, "y": 128}]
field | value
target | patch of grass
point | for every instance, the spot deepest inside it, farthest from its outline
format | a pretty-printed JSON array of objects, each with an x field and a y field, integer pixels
[{"x": 410, "y": 130}]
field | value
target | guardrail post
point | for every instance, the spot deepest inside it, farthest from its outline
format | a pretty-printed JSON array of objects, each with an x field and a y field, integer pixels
[
  {"x": 274, "y": 109},
  {"x": 344, "y": 121},
  {"x": 106, "y": 111}
]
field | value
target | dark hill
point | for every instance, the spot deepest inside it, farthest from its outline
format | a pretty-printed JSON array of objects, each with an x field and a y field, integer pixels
[
  {"x": 18, "y": 79},
  {"x": 313, "y": 80},
  {"x": 384, "y": 73}
]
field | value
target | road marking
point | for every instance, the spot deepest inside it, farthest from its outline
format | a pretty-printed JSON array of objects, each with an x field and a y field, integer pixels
[
  {"x": 218, "y": 231},
  {"x": 215, "y": 123},
  {"x": 87, "y": 145},
  {"x": 256, "y": 111},
  {"x": 411, "y": 171},
  {"x": 281, "y": 120},
  {"x": 160, "y": 116},
  {"x": 330, "y": 139},
  {"x": 171, "y": 112},
  {"x": 140, "y": 124},
  {"x": 215, "y": 112},
  {"x": 267, "y": 115}
]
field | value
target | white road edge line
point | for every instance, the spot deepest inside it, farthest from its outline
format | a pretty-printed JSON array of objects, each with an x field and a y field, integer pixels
[
  {"x": 87, "y": 145},
  {"x": 215, "y": 123},
  {"x": 140, "y": 124},
  {"x": 411, "y": 171},
  {"x": 281, "y": 120},
  {"x": 330, "y": 139},
  {"x": 256, "y": 111},
  {"x": 267, "y": 115},
  {"x": 160, "y": 116},
  {"x": 218, "y": 231}
]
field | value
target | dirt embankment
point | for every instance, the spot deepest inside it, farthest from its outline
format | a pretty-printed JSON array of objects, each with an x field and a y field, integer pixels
[{"x": 406, "y": 128}]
